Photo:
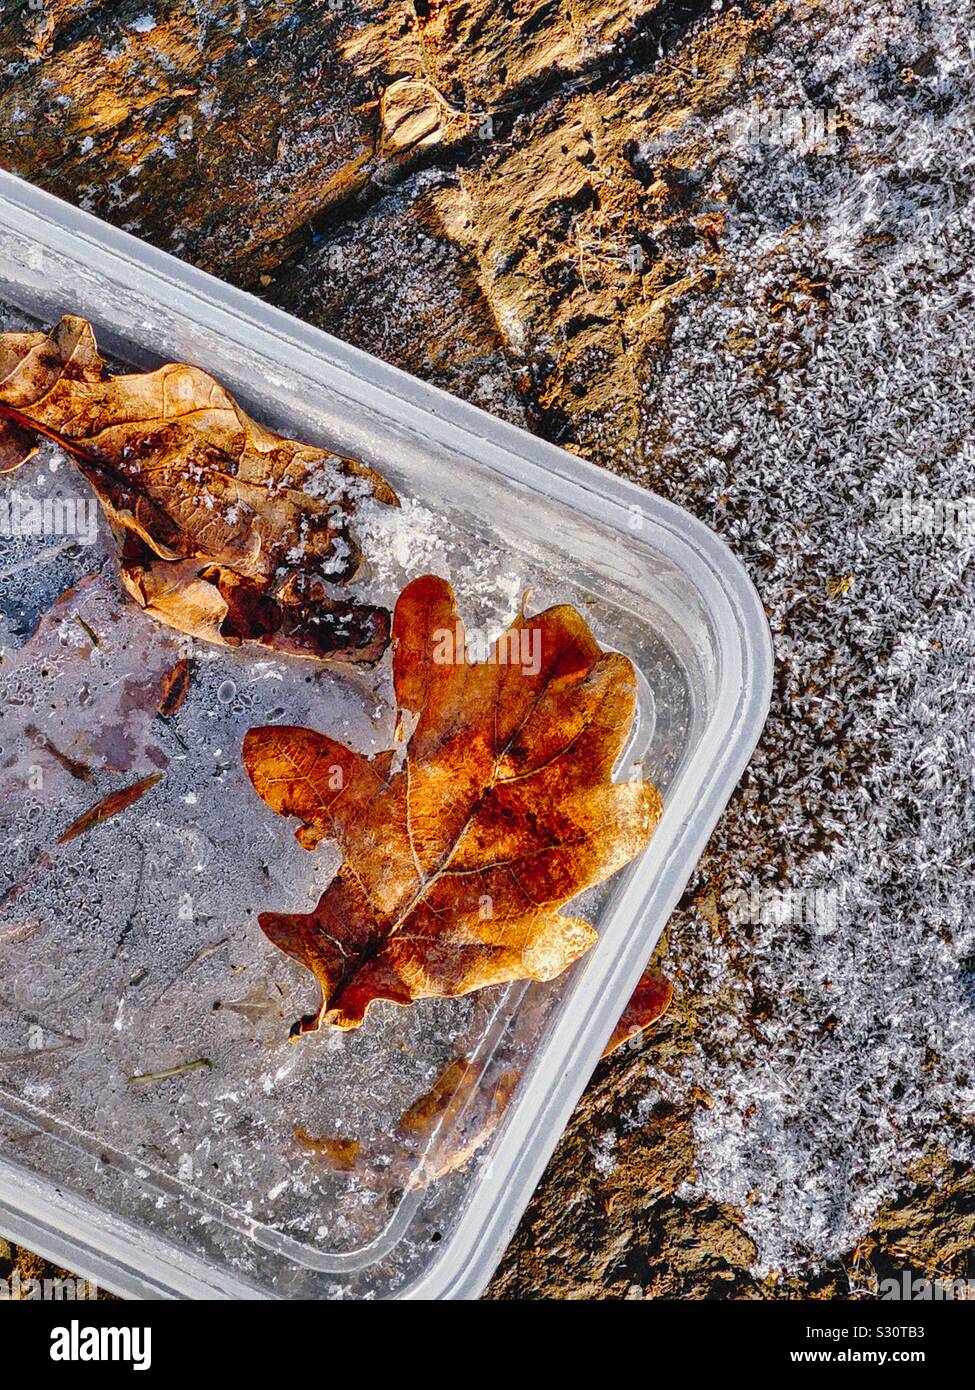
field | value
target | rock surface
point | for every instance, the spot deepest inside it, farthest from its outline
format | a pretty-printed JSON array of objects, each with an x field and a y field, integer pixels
[{"x": 588, "y": 221}]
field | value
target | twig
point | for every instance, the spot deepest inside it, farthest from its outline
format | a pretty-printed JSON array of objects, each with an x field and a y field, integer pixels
[
  {"x": 201, "y": 1062},
  {"x": 88, "y": 629}
]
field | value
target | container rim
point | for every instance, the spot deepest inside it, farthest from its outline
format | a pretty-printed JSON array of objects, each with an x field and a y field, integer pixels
[{"x": 565, "y": 1062}]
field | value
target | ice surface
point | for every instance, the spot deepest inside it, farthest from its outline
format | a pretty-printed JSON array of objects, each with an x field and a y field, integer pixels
[{"x": 134, "y": 949}]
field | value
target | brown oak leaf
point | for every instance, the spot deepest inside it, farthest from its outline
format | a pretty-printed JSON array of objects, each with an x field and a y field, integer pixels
[
  {"x": 228, "y": 532},
  {"x": 457, "y": 863}
]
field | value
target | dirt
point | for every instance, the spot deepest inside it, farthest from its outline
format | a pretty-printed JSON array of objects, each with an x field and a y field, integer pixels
[{"x": 632, "y": 1233}]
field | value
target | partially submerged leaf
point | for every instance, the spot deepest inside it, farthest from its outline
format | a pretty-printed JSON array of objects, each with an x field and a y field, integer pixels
[
  {"x": 457, "y": 864},
  {"x": 460, "y": 1113},
  {"x": 425, "y": 1114},
  {"x": 109, "y": 806},
  {"x": 341, "y": 1153},
  {"x": 452, "y": 1122},
  {"x": 81, "y": 696},
  {"x": 438, "y": 1134},
  {"x": 228, "y": 532}
]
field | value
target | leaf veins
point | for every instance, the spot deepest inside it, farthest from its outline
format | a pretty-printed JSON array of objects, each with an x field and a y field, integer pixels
[
  {"x": 456, "y": 865},
  {"x": 227, "y": 532}
]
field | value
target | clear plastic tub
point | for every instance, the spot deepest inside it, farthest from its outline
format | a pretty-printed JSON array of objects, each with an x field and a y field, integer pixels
[{"x": 195, "y": 1186}]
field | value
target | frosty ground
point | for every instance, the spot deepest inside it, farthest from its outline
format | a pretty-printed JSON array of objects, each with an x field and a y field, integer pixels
[{"x": 791, "y": 359}]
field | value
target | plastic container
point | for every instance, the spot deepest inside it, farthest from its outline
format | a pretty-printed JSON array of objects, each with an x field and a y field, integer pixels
[{"x": 169, "y": 1192}]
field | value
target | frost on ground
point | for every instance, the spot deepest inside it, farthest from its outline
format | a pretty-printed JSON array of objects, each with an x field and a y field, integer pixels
[
  {"x": 810, "y": 412},
  {"x": 814, "y": 405}
]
